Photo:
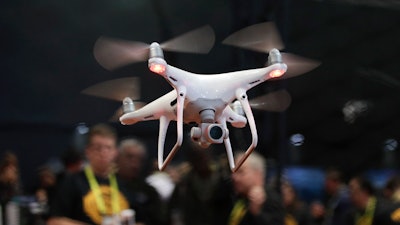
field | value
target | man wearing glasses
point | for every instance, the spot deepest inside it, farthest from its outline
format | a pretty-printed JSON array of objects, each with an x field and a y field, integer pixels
[{"x": 93, "y": 195}]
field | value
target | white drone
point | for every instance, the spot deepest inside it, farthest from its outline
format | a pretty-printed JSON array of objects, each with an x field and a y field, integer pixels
[{"x": 209, "y": 101}]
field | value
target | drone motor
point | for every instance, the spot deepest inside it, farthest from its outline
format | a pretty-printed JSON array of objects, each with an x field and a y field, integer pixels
[
  {"x": 127, "y": 105},
  {"x": 157, "y": 63}
]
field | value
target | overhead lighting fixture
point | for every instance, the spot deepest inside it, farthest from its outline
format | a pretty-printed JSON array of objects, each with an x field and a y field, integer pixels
[
  {"x": 354, "y": 109},
  {"x": 82, "y": 129},
  {"x": 390, "y": 145},
  {"x": 297, "y": 140}
]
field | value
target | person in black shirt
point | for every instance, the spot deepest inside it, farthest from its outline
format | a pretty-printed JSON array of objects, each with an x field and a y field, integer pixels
[
  {"x": 94, "y": 195},
  {"x": 369, "y": 209}
]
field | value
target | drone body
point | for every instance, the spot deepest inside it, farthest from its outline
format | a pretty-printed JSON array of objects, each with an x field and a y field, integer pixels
[
  {"x": 204, "y": 100},
  {"x": 209, "y": 101}
]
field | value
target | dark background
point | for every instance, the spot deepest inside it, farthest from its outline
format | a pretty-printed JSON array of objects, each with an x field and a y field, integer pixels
[{"x": 46, "y": 60}]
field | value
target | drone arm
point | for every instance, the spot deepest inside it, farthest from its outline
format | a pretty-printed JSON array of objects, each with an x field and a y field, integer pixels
[
  {"x": 164, "y": 122},
  {"x": 242, "y": 97},
  {"x": 234, "y": 117}
]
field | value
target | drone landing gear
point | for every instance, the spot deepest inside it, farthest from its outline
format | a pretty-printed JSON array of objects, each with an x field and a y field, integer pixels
[
  {"x": 164, "y": 122},
  {"x": 243, "y": 99}
]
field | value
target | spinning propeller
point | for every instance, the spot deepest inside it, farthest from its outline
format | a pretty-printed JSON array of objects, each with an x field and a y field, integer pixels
[
  {"x": 265, "y": 36},
  {"x": 113, "y": 53},
  {"x": 277, "y": 101},
  {"x": 118, "y": 90}
]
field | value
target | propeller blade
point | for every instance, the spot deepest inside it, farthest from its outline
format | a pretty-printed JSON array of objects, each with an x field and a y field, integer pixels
[
  {"x": 120, "y": 111},
  {"x": 116, "y": 89},
  {"x": 277, "y": 101},
  {"x": 297, "y": 65},
  {"x": 263, "y": 37},
  {"x": 200, "y": 40},
  {"x": 113, "y": 53},
  {"x": 260, "y": 37},
  {"x": 375, "y": 75}
]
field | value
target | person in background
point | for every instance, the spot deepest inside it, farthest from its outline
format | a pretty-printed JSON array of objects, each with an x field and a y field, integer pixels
[
  {"x": 332, "y": 211},
  {"x": 255, "y": 202},
  {"x": 10, "y": 185},
  {"x": 72, "y": 161},
  {"x": 9, "y": 177},
  {"x": 130, "y": 164},
  {"x": 94, "y": 195},
  {"x": 296, "y": 210},
  {"x": 201, "y": 196},
  {"x": 391, "y": 190},
  {"x": 45, "y": 191},
  {"x": 369, "y": 209},
  {"x": 47, "y": 182},
  {"x": 50, "y": 182}
]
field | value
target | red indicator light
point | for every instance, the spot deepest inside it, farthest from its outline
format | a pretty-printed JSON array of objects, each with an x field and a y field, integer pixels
[
  {"x": 276, "y": 73},
  {"x": 157, "y": 68}
]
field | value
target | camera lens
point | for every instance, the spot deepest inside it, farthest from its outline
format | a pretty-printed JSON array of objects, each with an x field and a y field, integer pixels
[{"x": 216, "y": 132}]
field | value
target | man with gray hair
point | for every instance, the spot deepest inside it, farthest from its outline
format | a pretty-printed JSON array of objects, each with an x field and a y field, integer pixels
[
  {"x": 131, "y": 156},
  {"x": 130, "y": 161},
  {"x": 255, "y": 203}
]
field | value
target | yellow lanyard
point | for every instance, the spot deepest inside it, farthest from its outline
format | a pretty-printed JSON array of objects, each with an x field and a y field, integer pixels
[
  {"x": 368, "y": 216},
  {"x": 289, "y": 220},
  {"x": 238, "y": 212},
  {"x": 94, "y": 186}
]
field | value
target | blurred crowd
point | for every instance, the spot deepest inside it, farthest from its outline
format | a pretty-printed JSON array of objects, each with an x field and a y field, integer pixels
[{"x": 110, "y": 180}]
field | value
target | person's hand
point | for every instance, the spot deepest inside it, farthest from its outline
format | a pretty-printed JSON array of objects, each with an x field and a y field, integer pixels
[{"x": 256, "y": 197}]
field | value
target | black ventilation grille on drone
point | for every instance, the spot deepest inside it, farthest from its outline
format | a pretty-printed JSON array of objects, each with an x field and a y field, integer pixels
[
  {"x": 253, "y": 82},
  {"x": 172, "y": 78},
  {"x": 173, "y": 102},
  {"x": 148, "y": 117}
]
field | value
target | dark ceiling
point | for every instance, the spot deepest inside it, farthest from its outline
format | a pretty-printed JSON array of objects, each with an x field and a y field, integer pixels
[{"x": 46, "y": 60}]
